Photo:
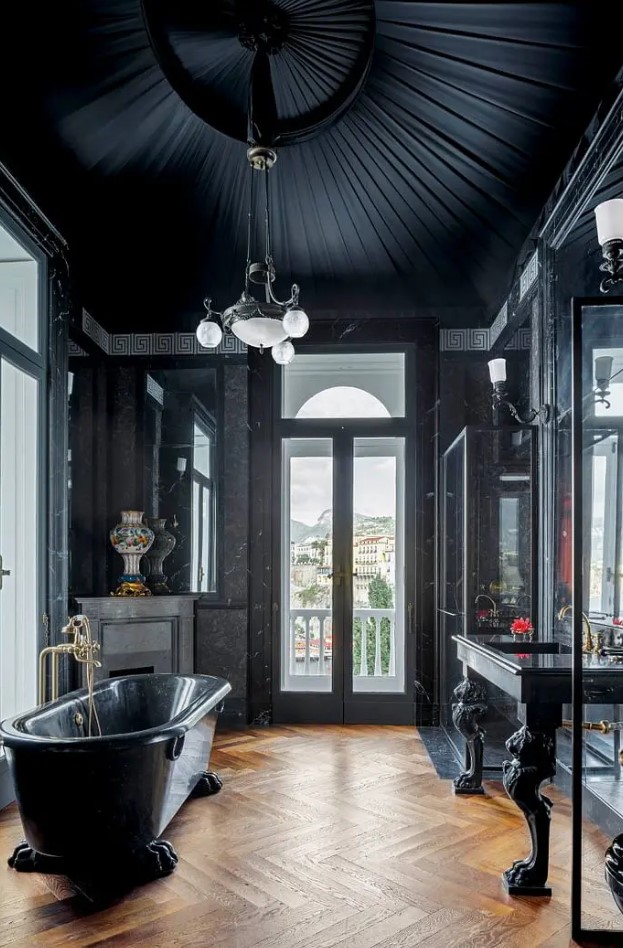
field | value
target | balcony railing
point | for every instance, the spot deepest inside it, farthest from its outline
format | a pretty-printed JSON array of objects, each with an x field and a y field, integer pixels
[{"x": 311, "y": 642}]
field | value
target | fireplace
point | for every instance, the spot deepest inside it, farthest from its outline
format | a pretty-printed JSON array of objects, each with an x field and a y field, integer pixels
[{"x": 142, "y": 635}]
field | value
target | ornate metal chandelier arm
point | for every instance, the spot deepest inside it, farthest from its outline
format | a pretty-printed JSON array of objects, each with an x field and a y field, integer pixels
[
  {"x": 210, "y": 313},
  {"x": 294, "y": 296}
]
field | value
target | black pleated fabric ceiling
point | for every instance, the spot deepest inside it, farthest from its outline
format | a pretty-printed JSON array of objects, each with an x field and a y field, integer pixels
[{"x": 417, "y": 199}]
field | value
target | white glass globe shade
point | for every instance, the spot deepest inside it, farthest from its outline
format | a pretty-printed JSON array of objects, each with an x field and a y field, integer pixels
[
  {"x": 209, "y": 334},
  {"x": 296, "y": 323},
  {"x": 259, "y": 331},
  {"x": 283, "y": 352}
]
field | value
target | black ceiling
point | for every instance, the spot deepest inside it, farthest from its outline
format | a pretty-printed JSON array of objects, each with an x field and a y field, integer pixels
[{"x": 419, "y": 198}]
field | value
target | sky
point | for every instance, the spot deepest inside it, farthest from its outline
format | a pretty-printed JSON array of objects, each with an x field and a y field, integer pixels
[
  {"x": 311, "y": 487},
  {"x": 311, "y": 478}
]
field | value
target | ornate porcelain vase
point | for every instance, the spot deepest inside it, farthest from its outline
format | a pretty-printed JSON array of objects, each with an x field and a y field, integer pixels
[
  {"x": 131, "y": 539},
  {"x": 164, "y": 543}
]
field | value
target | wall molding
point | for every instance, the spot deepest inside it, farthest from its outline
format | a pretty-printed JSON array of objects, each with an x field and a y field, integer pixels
[
  {"x": 153, "y": 343},
  {"x": 481, "y": 340}
]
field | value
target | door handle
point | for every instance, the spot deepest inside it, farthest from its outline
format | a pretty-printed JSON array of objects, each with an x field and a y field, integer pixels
[{"x": 3, "y": 573}]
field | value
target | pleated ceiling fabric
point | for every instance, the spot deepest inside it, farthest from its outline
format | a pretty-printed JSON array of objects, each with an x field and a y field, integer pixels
[{"x": 417, "y": 200}]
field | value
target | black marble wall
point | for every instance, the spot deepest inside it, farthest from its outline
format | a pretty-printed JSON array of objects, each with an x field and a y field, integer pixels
[{"x": 222, "y": 638}]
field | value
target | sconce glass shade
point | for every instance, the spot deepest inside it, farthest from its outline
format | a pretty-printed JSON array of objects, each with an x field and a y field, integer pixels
[
  {"x": 609, "y": 220},
  {"x": 295, "y": 323},
  {"x": 209, "y": 334},
  {"x": 497, "y": 370},
  {"x": 181, "y": 465},
  {"x": 603, "y": 370},
  {"x": 283, "y": 352}
]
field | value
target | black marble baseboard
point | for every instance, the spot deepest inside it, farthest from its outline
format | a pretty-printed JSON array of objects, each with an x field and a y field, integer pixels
[
  {"x": 441, "y": 752},
  {"x": 234, "y": 714}
]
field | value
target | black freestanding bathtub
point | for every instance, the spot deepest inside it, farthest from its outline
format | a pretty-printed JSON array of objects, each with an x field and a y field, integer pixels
[{"x": 94, "y": 807}]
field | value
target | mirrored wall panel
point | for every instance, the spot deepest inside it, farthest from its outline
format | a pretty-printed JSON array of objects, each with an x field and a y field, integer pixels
[
  {"x": 147, "y": 441},
  {"x": 488, "y": 556}
]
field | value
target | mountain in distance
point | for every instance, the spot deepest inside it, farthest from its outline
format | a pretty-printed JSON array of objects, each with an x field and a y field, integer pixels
[{"x": 364, "y": 526}]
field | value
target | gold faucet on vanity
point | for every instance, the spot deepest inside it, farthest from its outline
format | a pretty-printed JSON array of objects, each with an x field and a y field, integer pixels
[
  {"x": 81, "y": 646},
  {"x": 589, "y": 644}
]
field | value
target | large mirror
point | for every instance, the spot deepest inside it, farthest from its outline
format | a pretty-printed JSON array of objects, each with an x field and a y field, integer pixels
[
  {"x": 597, "y": 570},
  {"x": 144, "y": 440}
]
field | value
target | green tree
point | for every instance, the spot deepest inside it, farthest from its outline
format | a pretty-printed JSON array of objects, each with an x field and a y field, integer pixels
[
  {"x": 304, "y": 559},
  {"x": 314, "y": 595},
  {"x": 380, "y": 594}
]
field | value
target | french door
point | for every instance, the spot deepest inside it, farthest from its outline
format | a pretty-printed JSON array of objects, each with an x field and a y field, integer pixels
[
  {"x": 23, "y": 342},
  {"x": 346, "y": 598}
]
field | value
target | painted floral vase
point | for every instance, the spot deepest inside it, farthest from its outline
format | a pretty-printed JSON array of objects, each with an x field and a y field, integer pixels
[
  {"x": 163, "y": 545},
  {"x": 131, "y": 539}
]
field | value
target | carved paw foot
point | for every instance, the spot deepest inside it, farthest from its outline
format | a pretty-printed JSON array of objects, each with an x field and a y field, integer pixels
[
  {"x": 27, "y": 859},
  {"x": 524, "y": 879},
  {"x": 157, "y": 859},
  {"x": 207, "y": 785},
  {"x": 468, "y": 783}
]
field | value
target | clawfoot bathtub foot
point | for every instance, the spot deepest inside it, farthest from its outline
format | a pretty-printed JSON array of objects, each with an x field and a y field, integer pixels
[
  {"x": 207, "y": 785},
  {"x": 157, "y": 859},
  {"x": 27, "y": 859}
]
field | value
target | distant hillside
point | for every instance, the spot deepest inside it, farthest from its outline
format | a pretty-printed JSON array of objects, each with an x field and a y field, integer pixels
[{"x": 364, "y": 526}]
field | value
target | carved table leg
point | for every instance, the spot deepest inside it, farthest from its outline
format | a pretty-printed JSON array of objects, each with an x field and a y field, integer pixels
[
  {"x": 534, "y": 760},
  {"x": 614, "y": 870},
  {"x": 471, "y": 702}
]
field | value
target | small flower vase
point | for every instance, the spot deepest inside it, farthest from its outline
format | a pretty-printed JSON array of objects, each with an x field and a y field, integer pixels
[
  {"x": 131, "y": 539},
  {"x": 522, "y": 630},
  {"x": 163, "y": 545}
]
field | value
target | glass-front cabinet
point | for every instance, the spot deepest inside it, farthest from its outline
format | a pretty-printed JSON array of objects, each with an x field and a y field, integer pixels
[
  {"x": 487, "y": 561},
  {"x": 595, "y": 616}
]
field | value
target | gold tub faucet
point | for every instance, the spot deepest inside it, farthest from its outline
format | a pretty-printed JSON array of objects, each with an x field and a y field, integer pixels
[
  {"x": 588, "y": 643},
  {"x": 81, "y": 646}
]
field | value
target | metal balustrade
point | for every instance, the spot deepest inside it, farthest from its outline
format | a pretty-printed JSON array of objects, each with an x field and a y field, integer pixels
[{"x": 311, "y": 641}]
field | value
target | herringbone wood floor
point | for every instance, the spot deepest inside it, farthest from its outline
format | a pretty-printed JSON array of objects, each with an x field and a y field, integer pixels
[{"x": 323, "y": 836}]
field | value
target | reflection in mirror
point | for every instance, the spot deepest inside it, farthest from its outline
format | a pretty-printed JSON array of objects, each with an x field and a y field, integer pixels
[
  {"x": 144, "y": 440},
  {"x": 598, "y": 464}
]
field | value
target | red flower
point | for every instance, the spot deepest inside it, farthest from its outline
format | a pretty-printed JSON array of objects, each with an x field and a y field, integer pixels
[
  {"x": 522, "y": 626},
  {"x": 483, "y": 614},
  {"x": 617, "y": 621}
]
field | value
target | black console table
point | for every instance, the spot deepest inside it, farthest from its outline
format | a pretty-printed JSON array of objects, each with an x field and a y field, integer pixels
[{"x": 538, "y": 675}]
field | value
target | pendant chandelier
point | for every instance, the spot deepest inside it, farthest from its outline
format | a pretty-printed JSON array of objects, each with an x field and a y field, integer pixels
[
  {"x": 306, "y": 62},
  {"x": 265, "y": 322}
]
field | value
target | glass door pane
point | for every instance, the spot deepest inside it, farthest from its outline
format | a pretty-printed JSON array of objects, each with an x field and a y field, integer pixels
[
  {"x": 19, "y": 291},
  {"x": 306, "y": 562},
  {"x": 378, "y": 639},
  {"x": 19, "y": 539}
]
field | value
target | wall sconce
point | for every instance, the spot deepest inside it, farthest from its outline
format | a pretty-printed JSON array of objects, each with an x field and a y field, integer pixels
[
  {"x": 609, "y": 220},
  {"x": 497, "y": 374},
  {"x": 181, "y": 466},
  {"x": 603, "y": 374}
]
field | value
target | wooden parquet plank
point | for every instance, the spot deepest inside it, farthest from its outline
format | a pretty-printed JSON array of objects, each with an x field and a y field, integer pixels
[{"x": 322, "y": 837}]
